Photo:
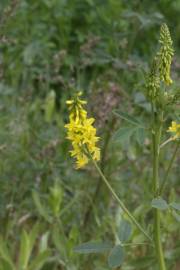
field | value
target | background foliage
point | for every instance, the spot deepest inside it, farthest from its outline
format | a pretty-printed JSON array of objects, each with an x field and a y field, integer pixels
[{"x": 49, "y": 48}]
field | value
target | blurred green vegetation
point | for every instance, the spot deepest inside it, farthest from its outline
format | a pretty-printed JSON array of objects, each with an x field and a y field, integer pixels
[{"x": 48, "y": 49}]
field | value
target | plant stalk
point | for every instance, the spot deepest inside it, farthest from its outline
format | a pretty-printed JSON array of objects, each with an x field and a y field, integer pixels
[
  {"x": 120, "y": 202},
  {"x": 157, "y": 127}
]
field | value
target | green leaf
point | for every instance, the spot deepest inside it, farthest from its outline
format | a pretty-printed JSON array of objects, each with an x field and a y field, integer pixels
[
  {"x": 159, "y": 203},
  {"x": 55, "y": 199},
  {"x": 5, "y": 265},
  {"x": 40, "y": 260},
  {"x": 33, "y": 235},
  {"x": 116, "y": 257},
  {"x": 176, "y": 216},
  {"x": 49, "y": 105},
  {"x": 125, "y": 229},
  {"x": 132, "y": 120},
  {"x": 39, "y": 206},
  {"x": 44, "y": 242},
  {"x": 140, "y": 135},
  {"x": 25, "y": 251},
  {"x": 59, "y": 241},
  {"x": 92, "y": 248},
  {"x": 124, "y": 133},
  {"x": 26, "y": 247},
  {"x": 140, "y": 100},
  {"x": 4, "y": 253},
  {"x": 175, "y": 205}
]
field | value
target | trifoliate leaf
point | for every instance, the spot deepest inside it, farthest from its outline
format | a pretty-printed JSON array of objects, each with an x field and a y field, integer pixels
[{"x": 159, "y": 203}]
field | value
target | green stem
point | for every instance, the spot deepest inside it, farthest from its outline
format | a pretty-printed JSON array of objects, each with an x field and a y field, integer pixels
[
  {"x": 169, "y": 168},
  {"x": 157, "y": 127},
  {"x": 135, "y": 244},
  {"x": 157, "y": 240},
  {"x": 119, "y": 201},
  {"x": 166, "y": 142},
  {"x": 102, "y": 166}
]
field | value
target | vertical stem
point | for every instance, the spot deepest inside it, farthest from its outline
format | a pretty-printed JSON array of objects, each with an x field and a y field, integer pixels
[{"x": 157, "y": 126}]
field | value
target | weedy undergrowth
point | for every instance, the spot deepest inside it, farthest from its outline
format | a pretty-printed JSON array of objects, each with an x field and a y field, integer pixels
[{"x": 82, "y": 135}]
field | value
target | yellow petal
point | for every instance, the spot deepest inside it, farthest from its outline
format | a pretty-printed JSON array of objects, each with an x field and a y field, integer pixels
[{"x": 69, "y": 102}]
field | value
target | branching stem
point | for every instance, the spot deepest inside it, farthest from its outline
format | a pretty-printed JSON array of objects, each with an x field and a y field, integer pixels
[{"x": 132, "y": 218}]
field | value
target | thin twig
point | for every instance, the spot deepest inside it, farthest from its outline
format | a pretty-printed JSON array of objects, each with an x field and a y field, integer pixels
[
  {"x": 102, "y": 165},
  {"x": 169, "y": 168},
  {"x": 164, "y": 143},
  {"x": 132, "y": 218}
]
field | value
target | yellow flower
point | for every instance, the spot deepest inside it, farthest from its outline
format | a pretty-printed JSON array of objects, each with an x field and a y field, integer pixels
[
  {"x": 174, "y": 128},
  {"x": 81, "y": 133}
]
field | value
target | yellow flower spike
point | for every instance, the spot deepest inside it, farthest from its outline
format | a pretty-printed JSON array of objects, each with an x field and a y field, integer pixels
[
  {"x": 165, "y": 54},
  {"x": 174, "y": 128},
  {"x": 81, "y": 133}
]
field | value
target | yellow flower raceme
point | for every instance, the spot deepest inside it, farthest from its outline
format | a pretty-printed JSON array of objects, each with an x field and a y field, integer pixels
[
  {"x": 76, "y": 108},
  {"x": 161, "y": 66},
  {"x": 175, "y": 129},
  {"x": 81, "y": 133},
  {"x": 165, "y": 54},
  {"x": 153, "y": 81}
]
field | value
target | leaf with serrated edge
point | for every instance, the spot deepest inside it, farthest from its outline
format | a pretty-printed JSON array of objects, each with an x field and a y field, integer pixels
[{"x": 128, "y": 118}]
